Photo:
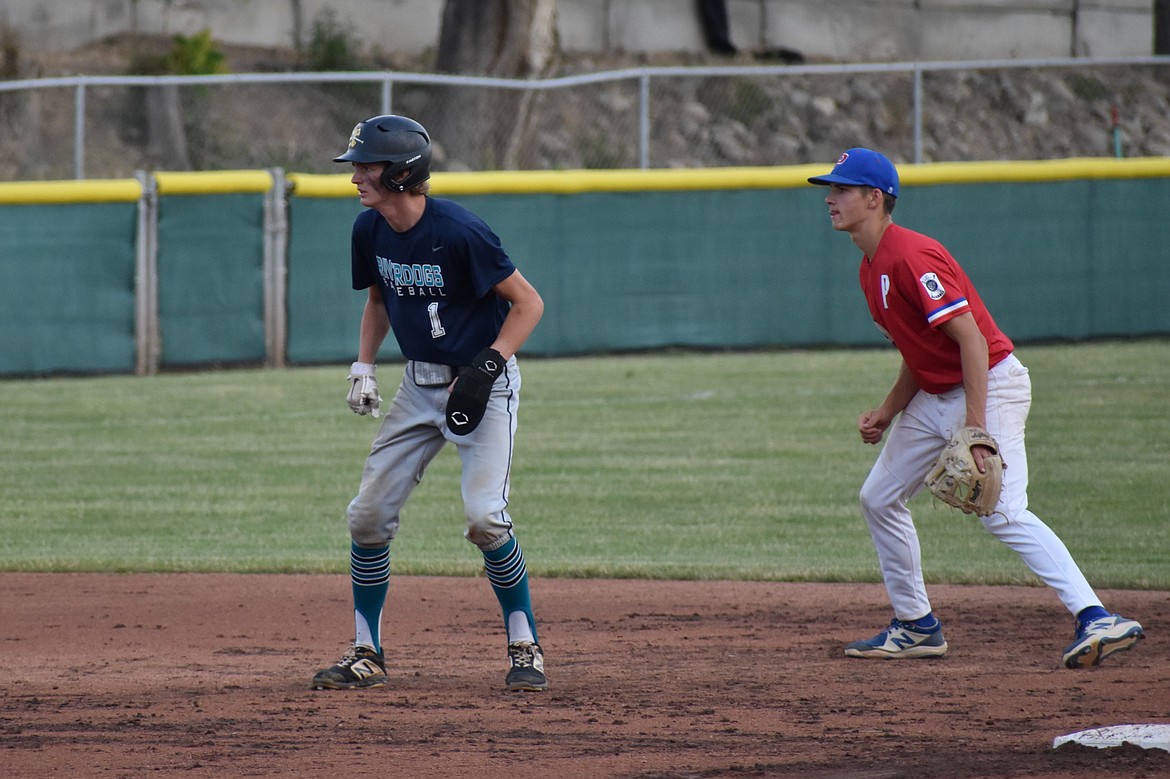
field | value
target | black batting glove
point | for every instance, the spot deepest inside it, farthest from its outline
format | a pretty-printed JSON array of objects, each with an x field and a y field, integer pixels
[{"x": 472, "y": 388}]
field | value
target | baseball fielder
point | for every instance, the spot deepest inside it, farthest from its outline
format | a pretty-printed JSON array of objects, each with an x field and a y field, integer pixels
[
  {"x": 958, "y": 370},
  {"x": 438, "y": 277}
]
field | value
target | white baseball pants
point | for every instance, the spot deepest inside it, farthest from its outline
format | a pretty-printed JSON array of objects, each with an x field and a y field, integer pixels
[
  {"x": 913, "y": 443},
  {"x": 413, "y": 431}
]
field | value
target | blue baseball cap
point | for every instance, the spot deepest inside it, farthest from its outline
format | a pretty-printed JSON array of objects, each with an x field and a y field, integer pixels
[{"x": 862, "y": 168}]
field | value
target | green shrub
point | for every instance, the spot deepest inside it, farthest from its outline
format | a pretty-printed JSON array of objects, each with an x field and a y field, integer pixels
[
  {"x": 329, "y": 46},
  {"x": 193, "y": 56},
  {"x": 196, "y": 55}
]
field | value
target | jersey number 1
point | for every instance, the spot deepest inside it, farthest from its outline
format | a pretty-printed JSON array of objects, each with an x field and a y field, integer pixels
[{"x": 437, "y": 330}]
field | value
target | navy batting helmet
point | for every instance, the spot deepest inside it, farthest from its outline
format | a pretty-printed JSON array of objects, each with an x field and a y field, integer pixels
[{"x": 401, "y": 143}]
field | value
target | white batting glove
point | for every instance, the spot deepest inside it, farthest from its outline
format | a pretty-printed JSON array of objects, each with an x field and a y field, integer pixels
[{"x": 363, "y": 395}]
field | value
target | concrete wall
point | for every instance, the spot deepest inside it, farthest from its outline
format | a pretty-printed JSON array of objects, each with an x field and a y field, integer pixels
[
  {"x": 853, "y": 30},
  {"x": 406, "y": 25},
  {"x": 908, "y": 30}
]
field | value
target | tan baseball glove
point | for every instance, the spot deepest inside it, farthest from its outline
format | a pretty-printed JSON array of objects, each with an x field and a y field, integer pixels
[{"x": 957, "y": 482}]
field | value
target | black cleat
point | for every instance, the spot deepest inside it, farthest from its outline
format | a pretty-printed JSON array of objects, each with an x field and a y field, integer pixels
[
  {"x": 361, "y": 666},
  {"x": 526, "y": 667}
]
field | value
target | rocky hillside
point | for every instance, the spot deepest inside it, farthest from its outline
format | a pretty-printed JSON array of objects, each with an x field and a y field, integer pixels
[{"x": 758, "y": 117}]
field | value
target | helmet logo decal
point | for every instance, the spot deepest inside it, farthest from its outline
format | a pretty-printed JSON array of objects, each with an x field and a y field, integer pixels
[{"x": 355, "y": 136}]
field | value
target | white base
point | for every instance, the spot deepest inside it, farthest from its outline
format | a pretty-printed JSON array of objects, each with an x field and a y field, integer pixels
[{"x": 1149, "y": 736}]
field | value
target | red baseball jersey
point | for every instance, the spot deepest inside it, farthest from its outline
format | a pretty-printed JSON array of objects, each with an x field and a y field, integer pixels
[{"x": 912, "y": 285}]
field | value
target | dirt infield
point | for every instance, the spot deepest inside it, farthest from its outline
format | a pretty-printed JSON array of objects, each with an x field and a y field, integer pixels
[{"x": 207, "y": 676}]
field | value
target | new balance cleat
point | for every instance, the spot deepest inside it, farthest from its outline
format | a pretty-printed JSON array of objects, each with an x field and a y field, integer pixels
[
  {"x": 1101, "y": 638},
  {"x": 526, "y": 667},
  {"x": 361, "y": 666},
  {"x": 901, "y": 640}
]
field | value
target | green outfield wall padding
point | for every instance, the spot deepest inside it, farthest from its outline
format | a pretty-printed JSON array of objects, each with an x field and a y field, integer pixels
[
  {"x": 67, "y": 287},
  {"x": 1058, "y": 260},
  {"x": 1067, "y": 259},
  {"x": 324, "y": 310},
  {"x": 1055, "y": 257},
  {"x": 706, "y": 269},
  {"x": 627, "y": 270},
  {"x": 210, "y": 271}
]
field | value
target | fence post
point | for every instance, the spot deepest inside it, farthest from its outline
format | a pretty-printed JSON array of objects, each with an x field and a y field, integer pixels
[
  {"x": 276, "y": 270},
  {"x": 79, "y": 130},
  {"x": 644, "y": 122},
  {"x": 146, "y": 328}
]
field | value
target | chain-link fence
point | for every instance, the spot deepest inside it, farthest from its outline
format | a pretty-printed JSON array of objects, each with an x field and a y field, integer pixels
[{"x": 110, "y": 127}]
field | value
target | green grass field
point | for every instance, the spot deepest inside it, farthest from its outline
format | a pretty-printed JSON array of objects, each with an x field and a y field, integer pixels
[{"x": 669, "y": 465}]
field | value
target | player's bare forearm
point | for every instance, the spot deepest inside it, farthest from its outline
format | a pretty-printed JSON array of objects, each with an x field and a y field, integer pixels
[
  {"x": 904, "y": 389},
  {"x": 375, "y": 326},
  {"x": 527, "y": 307},
  {"x": 873, "y": 423},
  {"x": 973, "y": 356}
]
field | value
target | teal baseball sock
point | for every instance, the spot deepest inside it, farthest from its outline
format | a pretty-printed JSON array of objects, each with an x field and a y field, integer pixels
[
  {"x": 369, "y": 570},
  {"x": 508, "y": 575}
]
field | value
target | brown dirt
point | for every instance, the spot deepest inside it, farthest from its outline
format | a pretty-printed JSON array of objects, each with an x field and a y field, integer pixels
[{"x": 207, "y": 676}]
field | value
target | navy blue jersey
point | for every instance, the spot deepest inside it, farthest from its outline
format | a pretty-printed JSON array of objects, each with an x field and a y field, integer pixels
[{"x": 436, "y": 280}]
